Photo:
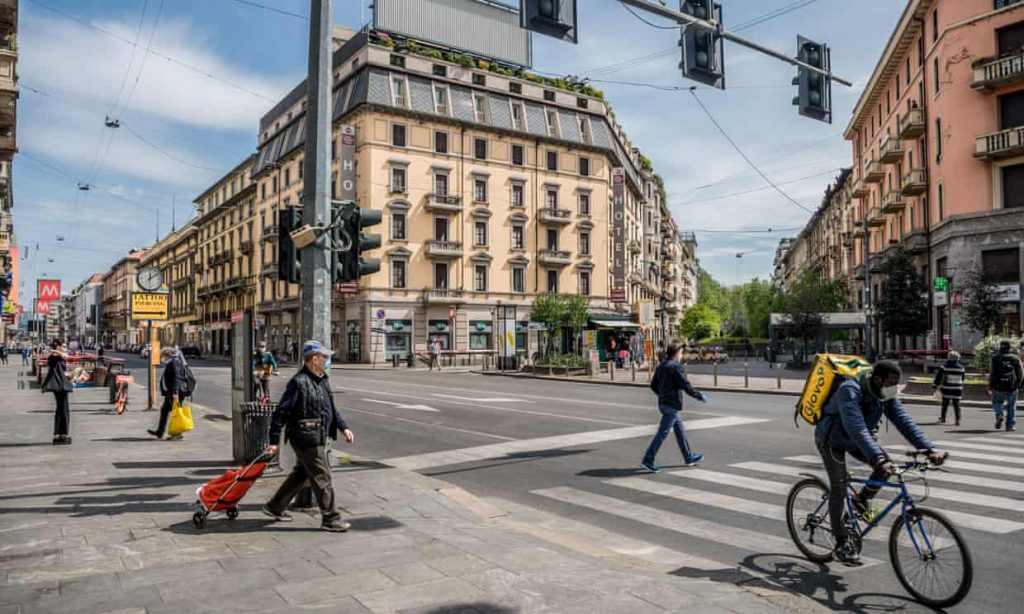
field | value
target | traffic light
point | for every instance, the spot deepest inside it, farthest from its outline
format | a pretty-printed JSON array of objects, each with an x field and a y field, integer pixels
[
  {"x": 555, "y": 18},
  {"x": 289, "y": 266},
  {"x": 348, "y": 242},
  {"x": 703, "y": 50},
  {"x": 814, "y": 94}
]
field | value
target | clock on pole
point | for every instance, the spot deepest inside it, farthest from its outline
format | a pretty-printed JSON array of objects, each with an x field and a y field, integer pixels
[{"x": 150, "y": 278}]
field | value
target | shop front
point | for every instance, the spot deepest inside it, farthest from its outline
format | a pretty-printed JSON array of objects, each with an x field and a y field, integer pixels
[
  {"x": 440, "y": 330},
  {"x": 398, "y": 339}
]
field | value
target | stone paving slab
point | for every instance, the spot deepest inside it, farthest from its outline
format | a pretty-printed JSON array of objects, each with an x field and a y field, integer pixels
[{"x": 104, "y": 525}]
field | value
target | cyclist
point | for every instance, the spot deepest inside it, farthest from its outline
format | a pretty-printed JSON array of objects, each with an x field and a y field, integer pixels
[
  {"x": 264, "y": 366},
  {"x": 849, "y": 424}
]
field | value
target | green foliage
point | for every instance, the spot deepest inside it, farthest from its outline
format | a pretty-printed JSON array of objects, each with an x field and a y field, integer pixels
[
  {"x": 576, "y": 312},
  {"x": 571, "y": 361},
  {"x": 699, "y": 322},
  {"x": 981, "y": 304},
  {"x": 903, "y": 308},
  {"x": 645, "y": 163},
  {"x": 807, "y": 299},
  {"x": 712, "y": 294},
  {"x": 989, "y": 347},
  {"x": 560, "y": 312}
]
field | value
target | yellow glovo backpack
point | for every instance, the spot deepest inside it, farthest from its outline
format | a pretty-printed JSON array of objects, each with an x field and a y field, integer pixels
[{"x": 827, "y": 372}]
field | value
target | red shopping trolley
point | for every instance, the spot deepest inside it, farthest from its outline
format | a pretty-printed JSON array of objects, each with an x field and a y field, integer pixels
[{"x": 223, "y": 493}]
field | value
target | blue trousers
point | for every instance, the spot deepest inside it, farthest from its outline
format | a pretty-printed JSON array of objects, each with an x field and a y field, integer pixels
[
  {"x": 670, "y": 421},
  {"x": 1009, "y": 399}
]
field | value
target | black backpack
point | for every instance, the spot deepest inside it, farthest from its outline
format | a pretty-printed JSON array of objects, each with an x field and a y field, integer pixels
[
  {"x": 1004, "y": 373},
  {"x": 188, "y": 381}
]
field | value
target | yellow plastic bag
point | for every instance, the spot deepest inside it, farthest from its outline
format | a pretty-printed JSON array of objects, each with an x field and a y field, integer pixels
[
  {"x": 820, "y": 383},
  {"x": 181, "y": 420}
]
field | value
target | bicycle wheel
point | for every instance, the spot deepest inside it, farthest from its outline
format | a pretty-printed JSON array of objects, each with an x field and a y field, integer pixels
[
  {"x": 941, "y": 575},
  {"x": 808, "y": 520}
]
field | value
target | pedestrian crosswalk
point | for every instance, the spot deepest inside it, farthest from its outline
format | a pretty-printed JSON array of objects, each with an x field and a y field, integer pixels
[{"x": 733, "y": 510}]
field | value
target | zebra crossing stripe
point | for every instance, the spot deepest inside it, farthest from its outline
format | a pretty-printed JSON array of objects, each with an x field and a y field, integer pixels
[
  {"x": 954, "y": 478},
  {"x": 986, "y": 524},
  {"x": 1012, "y": 460},
  {"x": 979, "y": 446},
  {"x": 998, "y": 440},
  {"x": 950, "y": 464}
]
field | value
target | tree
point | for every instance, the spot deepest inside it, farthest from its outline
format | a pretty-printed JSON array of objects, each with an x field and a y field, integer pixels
[
  {"x": 981, "y": 302},
  {"x": 761, "y": 299},
  {"x": 808, "y": 298},
  {"x": 576, "y": 312},
  {"x": 699, "y": 322},
  {"x": 712, "y": 294},
  {"x": 549, "y": 309},
  {"x": 903, "y": 307}
]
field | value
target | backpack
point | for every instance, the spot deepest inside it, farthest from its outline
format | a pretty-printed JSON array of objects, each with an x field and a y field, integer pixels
[
  {"x": 828, "y": 371},
  {"x": 1004, "y": 375},
  {"x": 188, "y": 381}
]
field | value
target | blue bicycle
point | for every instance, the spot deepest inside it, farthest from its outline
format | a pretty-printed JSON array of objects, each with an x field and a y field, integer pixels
[{"x": 928, "y": 554}]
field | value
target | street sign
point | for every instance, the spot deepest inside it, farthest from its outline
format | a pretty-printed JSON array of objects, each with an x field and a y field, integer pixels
[
  {"x": 958, "y": 298},
  {"x": 237, "y": 316},
  {"x": 48, "y": 289},
  {"x": 941, "y": 284},
  {"x": 941, "y": 298},
  {"x": 149, "y": 306},
  {"x": 451, "y": 313},
  {"x": 1007, "y": 293},
  {"x": 381, "y": 314},
  {"x": 42, "y": 306},
  {"x": 645, "y": 313}
]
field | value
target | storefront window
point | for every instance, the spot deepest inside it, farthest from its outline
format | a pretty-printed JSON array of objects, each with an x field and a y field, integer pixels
[
  {"x": 399, "y": 338},
  {"x": 481, "y": 335},
  {"x": 440, "y": 330}
]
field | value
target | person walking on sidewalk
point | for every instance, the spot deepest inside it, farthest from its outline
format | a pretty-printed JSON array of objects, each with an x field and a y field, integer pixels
[
  {"x": 170, "y": 387},
  {"x": 668, "y": 382},
  {"x": 57, "y": 382},
  {"x": 1004, "y": 381},
  {"x": 434, "y": 348},
  {"x": 25, "y": 352},
  {"x": 264, "y": 367},
  {"x": 949, "y": 381},
  {"x": 309, "y": 418}
]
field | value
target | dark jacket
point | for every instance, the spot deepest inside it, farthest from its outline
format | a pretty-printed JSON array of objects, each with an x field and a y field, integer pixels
[
  {"x": 851, "y": 418},
  {"x": 949, "y": 379},
  {"x": 58, "y": 368},
  {"x": 171, "y": 381},
  {"x": 668, "y": 381},
  {"x": 1006, "y": 374},
  {"x": 307, "y": 397}
]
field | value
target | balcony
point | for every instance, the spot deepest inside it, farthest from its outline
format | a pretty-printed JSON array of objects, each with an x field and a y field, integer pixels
[
  {"x": 892, "y": 150},
  {"x": 444, "y": 202},
  {"x": 444, "y": 249},
  {"x": 873, "y": 172},
  {"x": 269, "y": 233},
  {"x": 8, "y": 15},
  {"x": 875, "y": 216},
  {"x": 442, "y": 295},
  {"x": 8, "y": 108},
  {"x": 875, "y": 261},
  {"x": 245, "y": 247},
  {"x": 554, "y": 257},
  {"x": 911, "y": 124},
  {"x": 992, "y": 74},
  {"x": 548, "y": 215},
  {"x": 8, "y": 60},
  {"x": 858, "y": 232},
  {"x": 893, "y": 202},
  {"x": 860, "y": 189},
  {"x": 998, "y": 145},
  {"x": 634, "y": 246},
  {"x": 916, "y": 242},
  {"x": 269, "y": 269},
  {"x": 5, "y": 241},
  {"x": 915, "y": 182}
]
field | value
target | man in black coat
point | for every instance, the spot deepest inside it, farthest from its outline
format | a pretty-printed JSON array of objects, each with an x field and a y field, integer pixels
[
  {"x": 170, "y": 388},
  {"x": 1004, "y": 381},
  {"x": 309, "y": 418}
]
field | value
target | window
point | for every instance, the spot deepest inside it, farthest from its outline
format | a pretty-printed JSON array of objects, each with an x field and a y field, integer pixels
[
  {"x": 440, "y": 229},
  {"x": 398, "y": 177},
  {"x": 273, "y": 185},
  {"x": 480, "y": 148},
  {"x": 518, "y": 236},
  {"x": 479, "y": 79},
  {"x": 480, "y": 190},
  {"x": 440, "y": 100},
  {"x": 552, "y": 157},
  {"x": 1003, "y": 265},
  {"x": 942, "y": 202},
  {"x": 440, "y": 70},
  {"x": 517, "y": 195},
  {"x": 585, "y": 283},
  {"x": 908, "y": 70},
  {"x": 397, "y": 60},
  {"x": 549, "y": 95},
  {"x": 518, "y": 279},
  {"x": 1011, "y": 110},
  {"x": 300, "y": 165},
  {"x": 584, "y": 203},
  {"x": 440, "y": 142},
  {"x": 1013, "y": 186},
  {"x": 518, "y": 115},
  {"x": 935, "y": 25},
  {"x": 584, "y": 166},
  {"x": 263, "y": 191},
  {"x": 398, "y": 270},
  {"x": 1011, "y": 39},
  {"x": 398, "y": 92},
  {"x": 935, "y": 69},
  {"x": 585, "y": 129},
  {"x": 552, "y": 282},
  {"x": 515, "y": 88},
  {"x": 334, "y": 149},
  {"x": 552, "y": 119},
  {"x": 552, "y": 236},
  {"x": 441, "y": 184},
  {"x": 398, "y": 135},
  {"x": 480, "y": 278},
  {"x": 479, "y": 108},
  {"x": 551, "y": 198},
  {"x": 517, "y": 155},
  {"x": 585, "y": 243},
  {"x": 287, "y": 177},
  {"x": 480, "y": 233},
  {"x": 398, "y": 232},
  {"x": 920, "y": 50},
  {"x": 938, "y": 139},
  {"x": 582, "y": 103},
  {"x": 441, "y": 275}
]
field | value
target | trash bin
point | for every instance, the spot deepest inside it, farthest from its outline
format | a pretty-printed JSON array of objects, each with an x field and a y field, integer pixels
[{"x": 256, "y": 428}]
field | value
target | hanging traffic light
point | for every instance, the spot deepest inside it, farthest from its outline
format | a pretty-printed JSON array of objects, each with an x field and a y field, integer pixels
[
  {"x": 814, "y": 91},
  {"x": 289, "y": 266},
  {"x": 703, "y": 50},
  {"x": 348, "y": 242},
  {"x": 555, "y": 18}
]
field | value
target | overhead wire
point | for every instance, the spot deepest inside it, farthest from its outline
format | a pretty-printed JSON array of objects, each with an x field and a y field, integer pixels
[
  {"x": 168, "y": 154},
  {"x": 272, "y": 9},
  {"x": 145, "y": 56},
  {"x": 753, "y": 190},
  {"x": 779, "y": 12},
  {"x": 641, "y": 18}
]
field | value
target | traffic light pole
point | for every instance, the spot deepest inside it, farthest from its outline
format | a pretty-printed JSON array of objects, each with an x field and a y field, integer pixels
[{"x": 690, "y": 21}]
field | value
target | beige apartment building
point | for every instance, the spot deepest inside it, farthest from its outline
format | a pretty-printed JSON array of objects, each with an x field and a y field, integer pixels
[
  {"x": 938, "y": 162},
  {"x": 118, "y": 328},
  {"x": 174, "y": 255}
]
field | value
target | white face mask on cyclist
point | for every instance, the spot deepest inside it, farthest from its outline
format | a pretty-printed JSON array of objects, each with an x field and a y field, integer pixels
[{"x": 890, "y": 392}]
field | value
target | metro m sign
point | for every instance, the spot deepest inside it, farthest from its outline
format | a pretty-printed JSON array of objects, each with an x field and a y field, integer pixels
[
  {"x": 42, "y": 306},
  {"x": 48, "y": 290}
]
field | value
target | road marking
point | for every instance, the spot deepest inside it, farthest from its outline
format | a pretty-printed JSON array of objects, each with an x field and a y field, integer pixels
[
  {"x": 523, "y": 446},
  {"x": 998, "y": 440},
  {"x": 950, "y": 464},
  {"x": 986, "y": 524},
  {"x": 483, "y": 400},
  {"x": 401, "y": 406},
  {"x": 744, "y": 539},
  {"x": 979, "y": 446},
  {"x": 431, "y": 424}
]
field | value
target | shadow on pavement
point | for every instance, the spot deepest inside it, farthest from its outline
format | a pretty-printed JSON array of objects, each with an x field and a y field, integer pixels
[
  {"x": 471, "y": 608},
  {"x": 126, "y": 439},
  {"x": 510, "y": 459},
  {"x": 112, "y": 484},
  {"x": 30, "y": 444},
  {"x": 617, "y": 472},
  {"x": 169, "y": 464}
]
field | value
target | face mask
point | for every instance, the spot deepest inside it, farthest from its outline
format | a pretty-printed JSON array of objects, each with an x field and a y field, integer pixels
[
  {"x": 890, "y": 392},
  {"x": 327, "y": 364}
]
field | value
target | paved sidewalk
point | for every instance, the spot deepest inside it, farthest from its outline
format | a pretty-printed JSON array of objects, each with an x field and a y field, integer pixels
[{"x": 104, "y": 525}]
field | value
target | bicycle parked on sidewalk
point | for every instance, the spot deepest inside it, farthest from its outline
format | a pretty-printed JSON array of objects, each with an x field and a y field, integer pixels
[{"x": 927, "y": 552}]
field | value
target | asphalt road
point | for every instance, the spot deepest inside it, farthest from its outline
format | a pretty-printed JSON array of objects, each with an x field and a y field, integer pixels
[{"x": 579, "y": 464}]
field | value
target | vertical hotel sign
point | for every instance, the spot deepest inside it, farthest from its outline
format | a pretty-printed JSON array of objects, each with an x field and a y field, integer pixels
[
  {"x": 618, "y": 293},
  {"x": 348, "y": 163}
]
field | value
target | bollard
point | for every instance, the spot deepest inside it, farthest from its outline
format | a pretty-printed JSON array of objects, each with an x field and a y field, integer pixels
[
  {"x": 746, "y": 375},
  {"x": 632, "y": 366},
  {"x": 394, "y": 361},
  {"x": 611, "y": 370},
  {"x": 716, "y": 375},
  {"x": 778, "y": 376}
]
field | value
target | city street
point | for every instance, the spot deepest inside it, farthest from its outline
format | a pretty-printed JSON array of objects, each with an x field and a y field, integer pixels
[{"x": 566, "y": 455}]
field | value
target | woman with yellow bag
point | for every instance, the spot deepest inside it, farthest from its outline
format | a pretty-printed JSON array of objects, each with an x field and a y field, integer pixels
[{"x": 173, "y": 408}]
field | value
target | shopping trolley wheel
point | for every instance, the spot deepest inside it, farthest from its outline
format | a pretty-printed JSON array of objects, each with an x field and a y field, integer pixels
[
  {"x": 232, "y": 513},
  {"x": 199, "y": 519}
]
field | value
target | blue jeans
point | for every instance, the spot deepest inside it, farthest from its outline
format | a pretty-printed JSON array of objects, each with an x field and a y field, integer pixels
[
  {"x": 670, "y": 421},
  {"x": 1010, "y": 400}
]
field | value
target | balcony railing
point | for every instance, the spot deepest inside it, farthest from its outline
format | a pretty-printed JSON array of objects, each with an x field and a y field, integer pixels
[
  {"x": 245, "y": 247},
  {"x": 875, "y": 216},
  {"x": 269, "y": 269},
  {"x": 548, "y": 215},
  {"x": 892, "y": 150},
  {"x": 911, "y": 124},
  {"x": 915, "y": 182},
  {"x": 858, "y": 231},
  {"x": 916, "y": 242},
  {"x": 444, "y": 202},
  {"x": 444, "y": 249},
  {"x": 442, "y": 295},
  {"x": 554, "y": 257},
  {"x": 873, "y": 172},
  {"x": 269, "y": 233},
  {"x": 893, "y": 202},
  {"x": 996, "y": 73},
  {"x": 1002, "y": 144},
  {"x": 860, "y": 189}
]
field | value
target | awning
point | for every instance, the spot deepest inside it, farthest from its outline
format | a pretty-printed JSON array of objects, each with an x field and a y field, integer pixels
[{"x": 615, "y": 324}]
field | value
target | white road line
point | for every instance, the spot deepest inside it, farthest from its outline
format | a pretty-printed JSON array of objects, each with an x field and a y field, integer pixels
[
  {"x": 978, "y": 522},
  {"x": 403, "y": 406},
  {"x": 979, "y": 446},
  {"x": 950, "y": 464},
  {"x": 499, "y": 450},
  {"x": 737, "y": 537},
  {"x": 997, "y": 440},
  {"x": 430, "y": 424},
  {"x": 483, "y": 400}
]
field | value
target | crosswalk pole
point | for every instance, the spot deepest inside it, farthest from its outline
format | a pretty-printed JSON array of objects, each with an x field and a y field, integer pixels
[{"x": 746, "y": 375}]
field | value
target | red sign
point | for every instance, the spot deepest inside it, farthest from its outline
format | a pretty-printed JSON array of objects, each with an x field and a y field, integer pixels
[
  {"x": 48, "y": 290},
  {"x": 42, "y": 306},
  {"x": 451, "y": 313},
  {"x": 349, "y": 287},
  {"x": 237, "y": 316},
  {"x": 618, "y": 295},
  {"x": 958, "y": 298}
]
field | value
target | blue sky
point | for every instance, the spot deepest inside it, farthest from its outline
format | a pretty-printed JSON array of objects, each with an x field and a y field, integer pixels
[{"x": 180, "y": 127}]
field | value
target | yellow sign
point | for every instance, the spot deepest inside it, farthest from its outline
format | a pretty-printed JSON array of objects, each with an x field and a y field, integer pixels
[{"x": 149, "y": 306}]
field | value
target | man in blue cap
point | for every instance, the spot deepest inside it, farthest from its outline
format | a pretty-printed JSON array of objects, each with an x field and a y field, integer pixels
[{"x": 309, "y": 417}]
